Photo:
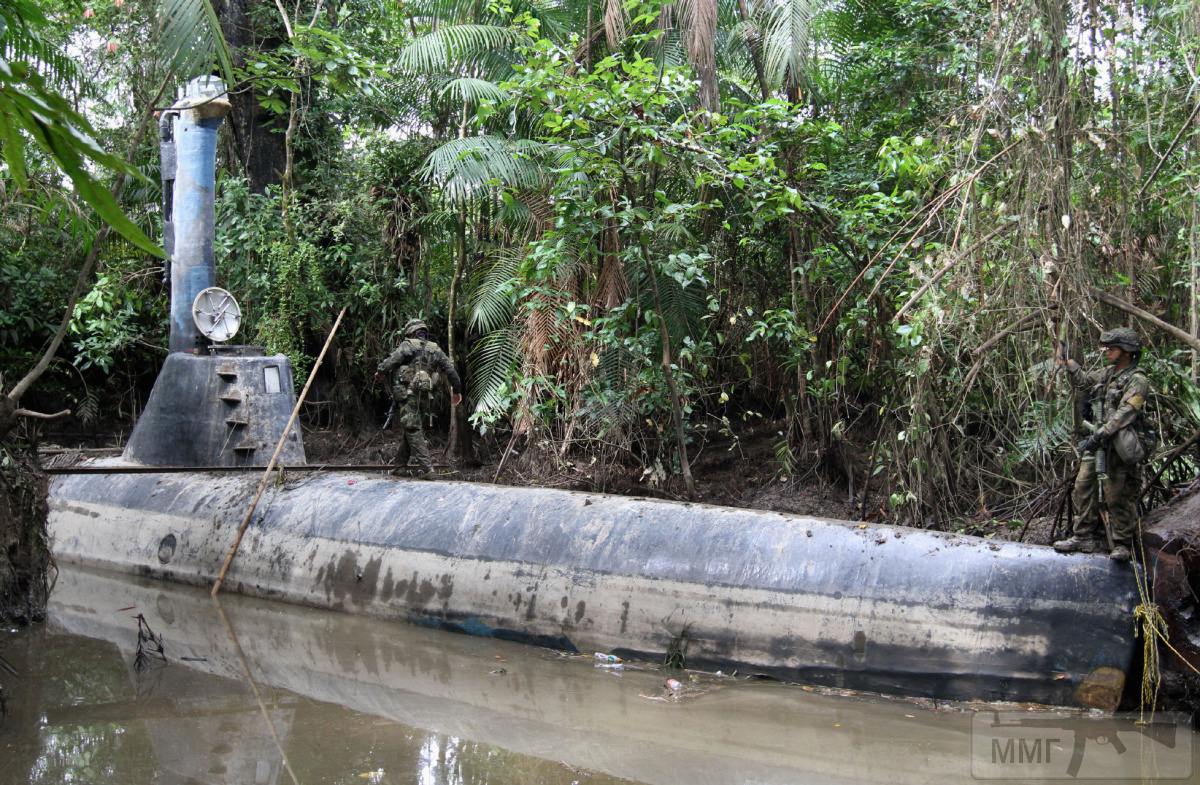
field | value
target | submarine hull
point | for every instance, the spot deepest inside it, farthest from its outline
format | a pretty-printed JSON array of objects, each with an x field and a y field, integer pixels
[{"x": 865, "y": 607}]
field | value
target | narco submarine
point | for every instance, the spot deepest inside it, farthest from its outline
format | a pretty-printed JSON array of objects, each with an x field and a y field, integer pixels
[{"x": 869, "y": 607}]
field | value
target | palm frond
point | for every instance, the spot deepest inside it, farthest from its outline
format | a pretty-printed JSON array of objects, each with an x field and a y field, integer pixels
[
  {"x": 21, "y": 41},
  {"x": 30, "y": 109},
  {"x": 192, "y": 41},
  {"x": 682, "y": 308},
  {"x": 616, "y": 22},
  {"x": 787, "y": 33},
  {"x": 473, "y": 91},
  {"x": 467, "y": 166},
  {"x": 493, "y": 295},
  {"x": 611, "y": 286},
  {"x": 447, "y": 47},
  {"x": 700, "y": 36},
  {"x": 493, "y": 362}
]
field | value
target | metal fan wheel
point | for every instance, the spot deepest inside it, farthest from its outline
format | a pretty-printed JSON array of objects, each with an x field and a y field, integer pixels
[{"x": 216, "y": 314}]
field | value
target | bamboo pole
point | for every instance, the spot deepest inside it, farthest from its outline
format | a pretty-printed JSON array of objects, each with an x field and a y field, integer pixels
[{"x": 262, "y": 484}]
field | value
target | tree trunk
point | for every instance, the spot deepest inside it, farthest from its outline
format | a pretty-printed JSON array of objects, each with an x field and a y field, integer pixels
[{"x": 258, "y": 133}]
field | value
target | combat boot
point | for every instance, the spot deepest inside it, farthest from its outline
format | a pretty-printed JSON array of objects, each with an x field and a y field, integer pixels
[
  {"x": 1120, "y": 553},
  {"x": 1075, "y": 544}
]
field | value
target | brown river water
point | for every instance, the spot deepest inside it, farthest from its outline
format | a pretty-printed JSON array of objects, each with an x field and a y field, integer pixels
[{"x": 258, "y": 693}]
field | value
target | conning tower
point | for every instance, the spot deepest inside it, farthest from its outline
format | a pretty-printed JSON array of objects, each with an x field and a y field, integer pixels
[{"x": 213, "y": 404}]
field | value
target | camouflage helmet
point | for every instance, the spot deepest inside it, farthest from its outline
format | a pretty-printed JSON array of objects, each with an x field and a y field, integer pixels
[
  {"x": 413, "y": 327},
  {"x": 1123, "y": 338}
]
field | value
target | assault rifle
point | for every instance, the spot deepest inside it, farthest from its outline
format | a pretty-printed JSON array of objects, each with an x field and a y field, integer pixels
[{"x": 1101, "y": 465}]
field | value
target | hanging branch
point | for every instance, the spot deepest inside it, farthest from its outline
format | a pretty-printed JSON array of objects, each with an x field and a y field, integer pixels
[{"x": 1170, "y": 149}]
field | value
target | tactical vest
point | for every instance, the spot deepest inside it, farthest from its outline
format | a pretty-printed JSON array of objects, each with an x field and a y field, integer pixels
[
  {"x": 1106, "y": 399},
  {"x": 1107, "y": 394},
  {"x": 417, "y": 374}
]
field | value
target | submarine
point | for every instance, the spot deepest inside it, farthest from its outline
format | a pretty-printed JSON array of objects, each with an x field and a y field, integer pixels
[{"x": 858, "y": 606}]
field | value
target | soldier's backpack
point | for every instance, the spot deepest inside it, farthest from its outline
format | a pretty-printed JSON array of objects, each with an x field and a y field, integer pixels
[{"x": 418, "y": 374}]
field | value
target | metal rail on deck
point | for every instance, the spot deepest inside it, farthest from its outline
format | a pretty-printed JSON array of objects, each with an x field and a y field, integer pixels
[{"x": 310, "y": 467}]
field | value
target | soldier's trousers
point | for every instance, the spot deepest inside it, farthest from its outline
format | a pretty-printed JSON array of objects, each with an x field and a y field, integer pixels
[
  {"x": 414, "y": 447},
  {"x": 1120, "y": 497}
]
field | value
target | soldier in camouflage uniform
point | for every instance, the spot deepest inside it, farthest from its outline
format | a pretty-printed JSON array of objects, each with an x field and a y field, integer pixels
[
  {"x": 1119, "y": 393},
  {"x": 413, "y": 366}
]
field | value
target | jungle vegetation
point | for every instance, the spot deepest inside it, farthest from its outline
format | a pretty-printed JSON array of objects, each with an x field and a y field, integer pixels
[{"x": 643, "y": 228}]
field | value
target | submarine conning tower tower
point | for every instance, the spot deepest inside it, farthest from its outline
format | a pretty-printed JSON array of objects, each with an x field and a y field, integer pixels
[{"x": 213, "y": 404}]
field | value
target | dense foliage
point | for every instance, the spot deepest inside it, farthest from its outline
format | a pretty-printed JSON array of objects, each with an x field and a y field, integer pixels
[{"x": 644, "y": 227}]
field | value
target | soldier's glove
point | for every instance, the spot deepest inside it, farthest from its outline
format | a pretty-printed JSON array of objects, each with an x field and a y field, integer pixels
[{"x": 1089, "y": 443}]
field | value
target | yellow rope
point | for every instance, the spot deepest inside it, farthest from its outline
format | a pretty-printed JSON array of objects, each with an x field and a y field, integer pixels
[{"x": 1153, "y": 628}]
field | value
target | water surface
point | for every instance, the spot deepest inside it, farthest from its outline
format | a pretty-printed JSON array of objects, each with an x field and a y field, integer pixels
[{"x": 259, "y": 692}]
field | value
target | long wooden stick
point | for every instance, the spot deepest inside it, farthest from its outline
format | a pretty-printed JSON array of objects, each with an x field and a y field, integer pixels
[{"x": 262, "y": 484}]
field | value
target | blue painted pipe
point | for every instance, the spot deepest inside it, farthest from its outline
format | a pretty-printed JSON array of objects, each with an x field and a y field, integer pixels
[{"x": 198, "y": 118}]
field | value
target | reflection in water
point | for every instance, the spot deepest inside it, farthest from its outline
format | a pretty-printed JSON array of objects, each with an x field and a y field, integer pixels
[
  {"x": 355, "y": 701},
  {"x": 82, "y": 720}
]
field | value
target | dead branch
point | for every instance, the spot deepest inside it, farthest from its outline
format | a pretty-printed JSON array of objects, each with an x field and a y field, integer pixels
[
  {"x": 1016, "y": 327},
  {"x": 1168, "y": 460},
  {"x": 955, "y": 259},
  {"x": 42, "y": 415},
  {"x": 1149, "y": 318}
]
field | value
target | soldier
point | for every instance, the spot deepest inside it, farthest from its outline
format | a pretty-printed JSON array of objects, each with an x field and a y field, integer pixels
[
  {"x": 413, "y": 366},
  {"x": 1118, "y": 393}
]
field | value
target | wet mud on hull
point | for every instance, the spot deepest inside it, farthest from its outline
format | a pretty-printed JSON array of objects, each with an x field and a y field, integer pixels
[{"x": 874, "y": 608}]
